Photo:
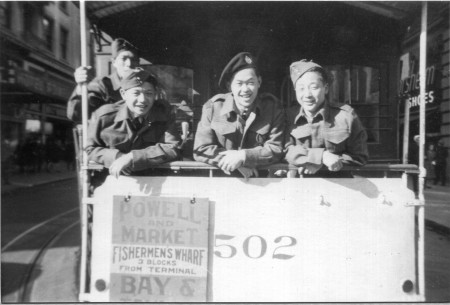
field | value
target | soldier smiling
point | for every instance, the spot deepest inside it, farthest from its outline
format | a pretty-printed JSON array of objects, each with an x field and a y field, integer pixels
[{"x": 239, "y": 130}]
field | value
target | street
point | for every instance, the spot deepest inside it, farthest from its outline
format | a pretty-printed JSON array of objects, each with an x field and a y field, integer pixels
[
  {"x": 33, "y": 220},
  {"x": 437, "y": 266},
  {"x": 26, "y": 208}
]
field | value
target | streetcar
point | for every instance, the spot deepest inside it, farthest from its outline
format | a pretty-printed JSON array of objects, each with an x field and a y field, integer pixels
[{"x": 195, "y": 236}]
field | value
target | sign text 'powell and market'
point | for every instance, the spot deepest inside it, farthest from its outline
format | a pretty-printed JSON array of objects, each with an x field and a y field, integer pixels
[
  {"x": 159, "y": 249},
  {"x": 160, "y": 216}
]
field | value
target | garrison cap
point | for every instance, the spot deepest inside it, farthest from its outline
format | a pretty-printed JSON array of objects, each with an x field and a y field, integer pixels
[
  {"x": 120, "y": 44},
  {"x": 134, "y": 78},
  {"x": 298, "y": 68},
  {"x": 239, "y": 62}
]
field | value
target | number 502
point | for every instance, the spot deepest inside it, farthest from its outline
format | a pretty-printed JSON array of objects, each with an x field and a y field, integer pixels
[{"x": 228, "y": 251}]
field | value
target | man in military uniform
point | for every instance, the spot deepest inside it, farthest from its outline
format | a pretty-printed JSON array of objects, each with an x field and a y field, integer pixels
[
  {"x": 135, "y": 133},
  {"x": 238, "y": 130},
  {"x": 103, "y": 90},
  {"x": 321, "y": 133}
]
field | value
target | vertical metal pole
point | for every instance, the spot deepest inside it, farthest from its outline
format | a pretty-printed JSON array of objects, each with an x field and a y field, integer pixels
[
  {"x": 84, "y": 107},
  {"x": 406, "y": 133},
  {"x": 422, "y": 174}
]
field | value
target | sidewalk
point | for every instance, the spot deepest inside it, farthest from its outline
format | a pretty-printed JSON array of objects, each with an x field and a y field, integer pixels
[
  {"x": 17, "y": 180},
  {"x": 437, "y": 207}
]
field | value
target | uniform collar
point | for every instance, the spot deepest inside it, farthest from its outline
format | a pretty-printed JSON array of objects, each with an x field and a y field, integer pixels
[
  {"x": 123, "y": 114},
  {"x": 230, "y": 106},
  {"x": 321, "y": 114},
  {"x": 115, "y": 80}
]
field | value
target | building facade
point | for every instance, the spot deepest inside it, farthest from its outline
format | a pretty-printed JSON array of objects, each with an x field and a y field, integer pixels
[
  {"x": 437, "y": 96},
  {"x": 40, "y": 43}
]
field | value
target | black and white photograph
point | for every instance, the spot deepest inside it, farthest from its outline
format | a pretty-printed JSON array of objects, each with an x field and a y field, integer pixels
[{"x": 225, "y": 151}]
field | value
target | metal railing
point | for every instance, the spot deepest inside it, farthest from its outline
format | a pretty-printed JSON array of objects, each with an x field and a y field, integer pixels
[{"x": 180, "y": 165}]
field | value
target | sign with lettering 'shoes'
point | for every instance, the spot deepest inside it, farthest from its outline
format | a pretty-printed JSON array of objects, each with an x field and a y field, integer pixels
[{"x": 159, "y": 249}]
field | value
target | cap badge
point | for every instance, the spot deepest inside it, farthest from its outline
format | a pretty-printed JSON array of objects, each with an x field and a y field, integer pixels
[{"x": 248, "y": 59}]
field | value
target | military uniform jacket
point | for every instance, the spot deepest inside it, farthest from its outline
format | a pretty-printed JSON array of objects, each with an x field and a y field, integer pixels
[
  {"x": 221, "y": 128},
  {"x": 335, "y": 128},
  {"x": 113, "y": 133},
  {"x": 101, "y": 91}
]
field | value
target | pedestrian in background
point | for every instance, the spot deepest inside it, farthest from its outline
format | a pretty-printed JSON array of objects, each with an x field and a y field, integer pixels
[
  {"x": 29, "y": 154},
  {"x": 20, "y": 156},
  {"x": 53, "y": 153},
  {"x": 69, "y": 155},
  {"x": 440, "y": 163},
  {"x": 38, "y": 154},
  {"x": 7, "y": 160},
  {"x": 430, "y": 155}
]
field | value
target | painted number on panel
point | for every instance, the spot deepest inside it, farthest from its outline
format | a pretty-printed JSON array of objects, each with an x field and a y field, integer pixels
[
  {"x": 231, "y": 250},
  {"x": 253, "y": 246}
]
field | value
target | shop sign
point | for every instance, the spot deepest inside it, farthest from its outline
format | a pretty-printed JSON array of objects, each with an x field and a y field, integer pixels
[
  {"x": 410, "y": 87},
  {"x": 159, "y": 249},
  {"x": 44, "y": 84},
  {"x": 31, "y": 82}
]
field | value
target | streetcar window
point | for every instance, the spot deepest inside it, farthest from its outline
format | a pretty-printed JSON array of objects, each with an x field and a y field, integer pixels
[
  {"x": 177, "y": 85},
  {"x": 359, "y": 86}
]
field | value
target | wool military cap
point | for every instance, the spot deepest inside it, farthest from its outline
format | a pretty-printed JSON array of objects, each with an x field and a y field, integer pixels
[
  {"x": 298, "y": 68},
  {"x": 239, "y": 62},
  {"x": 120, "y": 44},
  {"x": 134, "y": 78}
]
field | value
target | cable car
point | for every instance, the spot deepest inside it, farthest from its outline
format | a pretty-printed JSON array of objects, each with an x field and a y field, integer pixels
[{"x": 191, "y": 237}]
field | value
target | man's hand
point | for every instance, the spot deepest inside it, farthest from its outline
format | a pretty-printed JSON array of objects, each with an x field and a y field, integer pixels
[
  {"x": 280, "y": 173},
  {"x": 231, "y": 160},
  {"x": 83, "y": 75},
  {"x": 309, "y": 169},
  {"x": 248, "y": 172},
  {"x": 332, "y": 161},
  {"x": 121, "y": 165}
]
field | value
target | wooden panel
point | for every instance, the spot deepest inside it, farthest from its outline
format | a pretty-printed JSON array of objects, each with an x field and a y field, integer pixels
[{"x": 298, "y": 253}]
